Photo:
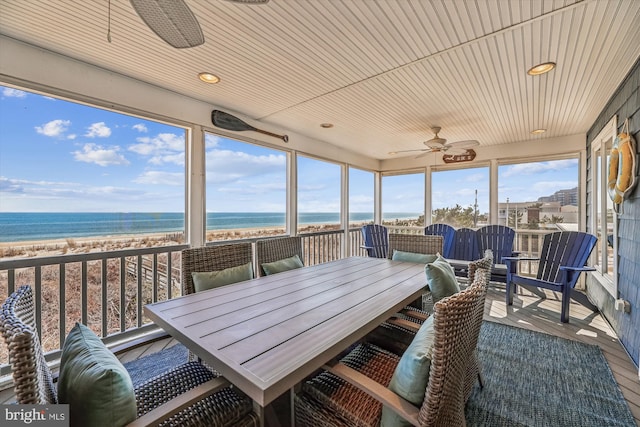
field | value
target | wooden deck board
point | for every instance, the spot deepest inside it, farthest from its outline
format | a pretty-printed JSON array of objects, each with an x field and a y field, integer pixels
[{"x": 528, "y": 312}]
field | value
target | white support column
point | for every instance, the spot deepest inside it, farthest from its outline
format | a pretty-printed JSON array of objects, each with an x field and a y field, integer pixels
[
  {"x": 195, "y": 209},
  {"x": 493, "y": 192},
  {"x": 344, "y": 210},
  {"x": 582, "y": 191},
  {"x": 292, "y": 193},
  {"x": 377, "y": 198},
  {"x": 427, "y": 196}
]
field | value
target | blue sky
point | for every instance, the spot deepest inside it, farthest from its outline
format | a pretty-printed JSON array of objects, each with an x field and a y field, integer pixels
[{"x": 58, "y": 156}]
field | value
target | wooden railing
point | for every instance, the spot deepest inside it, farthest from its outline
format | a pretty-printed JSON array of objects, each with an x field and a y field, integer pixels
[
  {"x": 107, "y": 290},
  {"x": 103, "y": 290}
]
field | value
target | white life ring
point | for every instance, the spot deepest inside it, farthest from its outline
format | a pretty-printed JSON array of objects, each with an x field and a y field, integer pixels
[{"x": 622, "y": 168}]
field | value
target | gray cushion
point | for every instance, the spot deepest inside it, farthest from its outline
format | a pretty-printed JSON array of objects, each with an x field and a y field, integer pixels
[
  {"x": 282, "y": 265},
  {"x": 411, "y": 376},
  {"x": 441, "y": 279},
  {"x": 93, "y": 382},
  {"x": 413, "y": 257},
  {"x": 213, "y": 279}
]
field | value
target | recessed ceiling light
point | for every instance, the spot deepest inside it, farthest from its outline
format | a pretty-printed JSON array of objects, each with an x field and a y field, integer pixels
[
  {"x": 208, "y": 78},
  {"x": 393, "y": 153},
  {"x": 538, "y": 131},
  {"x": 326, "y": 125},
  {"x": 541, "y": 68}
]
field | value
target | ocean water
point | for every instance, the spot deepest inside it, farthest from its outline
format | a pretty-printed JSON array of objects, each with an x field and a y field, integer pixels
[{"x": 27, "y": 226}]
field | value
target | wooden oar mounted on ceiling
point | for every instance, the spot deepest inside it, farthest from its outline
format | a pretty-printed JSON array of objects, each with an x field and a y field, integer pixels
[{"x": 227, "y": 121}]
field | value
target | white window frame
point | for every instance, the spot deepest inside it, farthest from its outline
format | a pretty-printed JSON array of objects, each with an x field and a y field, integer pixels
[{"x": 608, "y": 281}]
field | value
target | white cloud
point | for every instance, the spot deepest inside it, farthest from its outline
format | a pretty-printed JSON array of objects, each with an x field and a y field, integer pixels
[
  {"x": 72, "y": 136},
  {"x": 13, "y": 93},
  {"x": 211, "y": 141},
  {"x": 10, "y": 185},
  {"x": 177, "y": 159},
  {"x": 93, "y": 153},
  {"x": 160, "y": 178},
  {"x": 54, "y": 127},
  {"x": 99, "y": 130},
  {"x": 140, "y": 127},
  {"x": 539, "y": 167},
  {"x": 163, "y": 148},
  {"x": 232, "y": 166}
]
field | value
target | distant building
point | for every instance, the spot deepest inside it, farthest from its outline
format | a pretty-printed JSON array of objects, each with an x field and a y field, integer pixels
[{"x": 564, "y": 197}]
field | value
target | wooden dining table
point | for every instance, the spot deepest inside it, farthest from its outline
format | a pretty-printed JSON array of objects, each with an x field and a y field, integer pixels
[{"x": 267, "y": 334}]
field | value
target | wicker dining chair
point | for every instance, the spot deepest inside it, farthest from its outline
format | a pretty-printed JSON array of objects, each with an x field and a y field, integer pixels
[
  {"x": 212, "y": 402},
  {"x": 353, "y": 391},
  {"x": 400, "y": 330},
  {"x": 212, "y": 258},
  {"x": 420, "y": 244},
  {"x": 276, "y": 249}
]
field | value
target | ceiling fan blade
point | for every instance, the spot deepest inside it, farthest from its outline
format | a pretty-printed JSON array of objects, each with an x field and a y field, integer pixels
[
  {"x": 424, "y": 154},
  {"x": 455, "y": 150},
  {"x": 409, "y": 151},
  {"x": 463, "y": 144},
  {"x": 171, "y": 20}
]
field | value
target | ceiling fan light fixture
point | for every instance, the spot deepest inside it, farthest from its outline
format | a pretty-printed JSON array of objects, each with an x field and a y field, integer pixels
[
  {"x": 538, "y": 131},
  {"x": 209, "y": 78},
  {"x": 545, "y": 67},
  {"x": 171, "y": 20}
]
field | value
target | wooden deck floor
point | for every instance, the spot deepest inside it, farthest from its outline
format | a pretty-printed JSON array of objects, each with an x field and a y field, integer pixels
[{"x": 529, "y": 312}]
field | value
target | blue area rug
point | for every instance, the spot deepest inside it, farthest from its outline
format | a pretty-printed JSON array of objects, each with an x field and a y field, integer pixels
[
  {"x": 155, "y": 364},
  {"x": 535, "y": 379},
  {"x": 531, "y": 380}
]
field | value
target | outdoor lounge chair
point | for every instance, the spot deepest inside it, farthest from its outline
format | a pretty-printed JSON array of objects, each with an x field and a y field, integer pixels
[
  {"x": 448, "y": 234},
  {"x": 376, "y": 241},
  {"x": 469, "y": 245},
  {"x": 563, "y": 257},
  {"x": 352, "y": 391},
  {"x": 190, "y": 394},
  {"x": 277, "y": 249}
]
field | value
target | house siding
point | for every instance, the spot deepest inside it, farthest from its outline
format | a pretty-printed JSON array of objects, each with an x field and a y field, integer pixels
[{"x": 625, "y": 103}]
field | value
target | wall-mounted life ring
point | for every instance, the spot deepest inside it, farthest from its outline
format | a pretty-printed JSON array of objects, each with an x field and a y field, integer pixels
[{"x": 622, "y": 167}]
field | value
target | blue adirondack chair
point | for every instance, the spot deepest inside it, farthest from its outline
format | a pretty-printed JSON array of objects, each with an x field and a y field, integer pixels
[
  {"x": 376, "y": 240},
  {"x": 448, "y": 234},
  {"x": 562, "y": 258},
  {"x": 499, "y": 239},
  {"x": 465, "y": 248}
]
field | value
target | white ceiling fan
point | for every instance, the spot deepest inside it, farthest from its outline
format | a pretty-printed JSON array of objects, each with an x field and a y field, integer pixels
[
  {"x": 437, "y": 144},
  {"x": 173, "y": 21}
]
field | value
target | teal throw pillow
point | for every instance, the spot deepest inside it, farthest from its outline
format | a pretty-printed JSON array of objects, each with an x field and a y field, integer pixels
[
  {"x": 413, "y": 257},
  {"x": 441, "y": 279},
  {"x": 94, "y": 383},
  {"x": 282, "y": 265},
  {"x": 411, "y": 376},
  {"x": 213, "y": 279}
]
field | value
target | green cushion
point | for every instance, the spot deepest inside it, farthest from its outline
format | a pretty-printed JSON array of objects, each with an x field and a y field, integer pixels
[
  {"x": 282, "y": 265},
  {"x": 93, "y": 382},
  {"x": 411, "y": 376},
  {"x": 413, "y": 257},
  {"x": 441, "y": 279},
  {"x": 213, "y": 279}
]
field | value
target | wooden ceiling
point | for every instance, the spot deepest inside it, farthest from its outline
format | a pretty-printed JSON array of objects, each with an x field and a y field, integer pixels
[{"x": 383, "y": 72}]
